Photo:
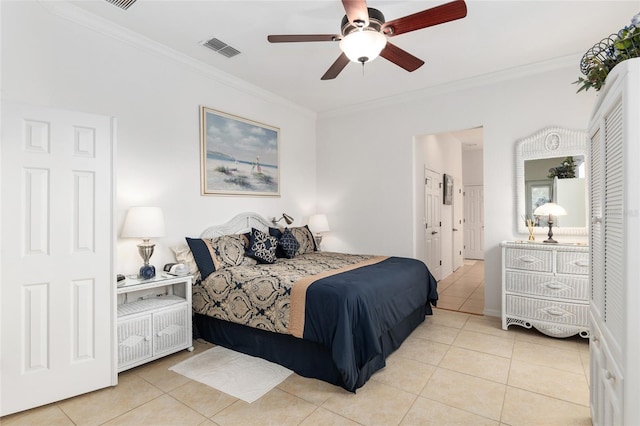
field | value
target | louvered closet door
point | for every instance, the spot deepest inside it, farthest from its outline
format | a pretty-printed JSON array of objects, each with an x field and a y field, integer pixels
[
  {"x": 596, "y": 191},
  {"x": 614, "y": 238}
]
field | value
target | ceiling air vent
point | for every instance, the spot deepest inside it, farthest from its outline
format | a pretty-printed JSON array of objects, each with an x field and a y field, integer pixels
[
  {"x": 122, "y": 4},
  {"x": 221, "y": 47}
]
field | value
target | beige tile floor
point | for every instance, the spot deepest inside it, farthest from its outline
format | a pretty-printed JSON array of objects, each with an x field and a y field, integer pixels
[
  {"x": 463, "y": 290},
  {"x": 455, "y": 368}
]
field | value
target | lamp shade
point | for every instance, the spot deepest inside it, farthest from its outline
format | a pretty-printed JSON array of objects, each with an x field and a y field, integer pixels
[
  {"x": 550, "y": 209},
  {"x": 143, "y": 222},
  {"x": 363, "y": 45},
  {"x": 318, "y": 223}
]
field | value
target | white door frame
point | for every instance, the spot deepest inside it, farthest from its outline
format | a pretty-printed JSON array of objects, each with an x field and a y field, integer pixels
[{"x": 432, "y": 213}]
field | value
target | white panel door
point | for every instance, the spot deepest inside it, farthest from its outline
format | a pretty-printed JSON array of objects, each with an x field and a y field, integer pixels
[
  {"x": 432, "y": 207},
  {"x": 57, "y": 289},
  {"x": 474, "y": 222}
]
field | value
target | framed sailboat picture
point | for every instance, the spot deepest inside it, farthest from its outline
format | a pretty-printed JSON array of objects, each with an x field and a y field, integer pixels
[{"x": 238, "y": 156}]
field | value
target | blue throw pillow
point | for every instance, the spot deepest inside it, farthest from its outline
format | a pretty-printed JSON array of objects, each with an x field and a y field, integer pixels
[
  {"x": 262, "y": 247},
  {"x": 276, "y": 232},
  {"x": 289, "y": 244},
  {"x": 203, "y": 254}
]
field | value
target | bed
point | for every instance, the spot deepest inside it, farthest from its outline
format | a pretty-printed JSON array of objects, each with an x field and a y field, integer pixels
[{"x": 331, "y": 316}]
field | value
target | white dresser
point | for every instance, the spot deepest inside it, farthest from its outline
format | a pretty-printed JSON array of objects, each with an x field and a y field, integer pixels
[{"x": 546, "y": 286}]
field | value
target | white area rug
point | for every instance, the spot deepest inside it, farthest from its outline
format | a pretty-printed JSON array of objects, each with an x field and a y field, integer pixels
[{"x": 236, "y": 374}]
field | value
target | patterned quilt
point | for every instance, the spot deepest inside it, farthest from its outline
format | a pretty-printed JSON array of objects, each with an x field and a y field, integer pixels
[{"x": 260, "y": 296}]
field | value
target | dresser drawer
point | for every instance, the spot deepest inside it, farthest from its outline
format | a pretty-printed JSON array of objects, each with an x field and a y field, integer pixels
[
  {"x": 573, "y": 263},
  {"x": 529, "y": 260},
  {"x": 565, "y": 287},
  {"x": 549, "y": 311}
]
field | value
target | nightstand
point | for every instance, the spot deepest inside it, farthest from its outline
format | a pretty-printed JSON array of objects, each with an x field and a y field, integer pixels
[{"x": 154, "y": 318}]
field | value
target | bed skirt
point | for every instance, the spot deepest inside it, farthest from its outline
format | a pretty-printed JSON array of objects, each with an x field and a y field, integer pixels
[{"x": 306, "y": 358}]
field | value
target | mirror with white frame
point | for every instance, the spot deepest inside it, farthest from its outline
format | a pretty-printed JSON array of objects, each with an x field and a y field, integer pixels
[{"x": 551, "y": 167}]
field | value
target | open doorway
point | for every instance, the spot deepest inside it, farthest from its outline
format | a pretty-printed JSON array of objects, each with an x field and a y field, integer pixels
[{"x": 457, "y": 157}]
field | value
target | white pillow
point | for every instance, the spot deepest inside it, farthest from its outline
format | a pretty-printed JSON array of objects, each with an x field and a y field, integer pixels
[{"x": 183, "y": 255}]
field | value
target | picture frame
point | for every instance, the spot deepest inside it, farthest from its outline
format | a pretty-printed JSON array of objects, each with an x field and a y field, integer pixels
[
  {"x": 448, "y": 189},
  {"x": 238, "y": 156}
]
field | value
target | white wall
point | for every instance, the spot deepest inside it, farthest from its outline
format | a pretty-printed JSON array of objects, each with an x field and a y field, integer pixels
[
  {"x": 365, "y": 159},
  {"x": 51, "y": 61}
]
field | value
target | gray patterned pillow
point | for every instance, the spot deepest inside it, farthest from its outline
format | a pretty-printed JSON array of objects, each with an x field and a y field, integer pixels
[
  {"x": 229, "y": 250},
  {"x": 305, "y": 239},
  {"x": 289, "y": 244},
  {"x": 262, "y": 247}
]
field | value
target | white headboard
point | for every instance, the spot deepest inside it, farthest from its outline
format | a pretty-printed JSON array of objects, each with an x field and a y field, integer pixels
[{"x": 240, "y": 224}]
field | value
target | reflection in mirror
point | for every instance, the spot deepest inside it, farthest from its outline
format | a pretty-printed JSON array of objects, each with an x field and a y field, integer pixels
[
  {"x": 560, "y": 180},
  {"x": 551, "y": 167}
]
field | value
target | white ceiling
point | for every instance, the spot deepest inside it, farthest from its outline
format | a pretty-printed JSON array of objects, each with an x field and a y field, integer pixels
[{"x": 495, "y": 36}]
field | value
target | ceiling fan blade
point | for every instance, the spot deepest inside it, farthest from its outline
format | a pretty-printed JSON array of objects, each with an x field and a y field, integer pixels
[
  {"x": 302, "y": 37},
  {"x": 356, "y": 11},
  {"x": 336, "y": 68},
  {"x": 436, "y": 15},
  {"x": 401, "y": 58}
]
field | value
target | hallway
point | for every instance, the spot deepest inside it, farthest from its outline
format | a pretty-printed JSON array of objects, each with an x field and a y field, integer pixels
[{"x": 464, "y": 289}]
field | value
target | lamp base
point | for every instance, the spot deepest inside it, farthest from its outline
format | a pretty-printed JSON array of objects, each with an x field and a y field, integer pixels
[
  {"x": 550, "y": 234},
  {"x": 147, "y": 272}
]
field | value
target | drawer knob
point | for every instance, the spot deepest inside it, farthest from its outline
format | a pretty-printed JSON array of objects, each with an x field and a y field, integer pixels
[
  {"x": 554, "y": 286},
  {"x": 555, "y": 312},
  {"x": 610, "y": 376},
  {"x": 147, "y": 338}
]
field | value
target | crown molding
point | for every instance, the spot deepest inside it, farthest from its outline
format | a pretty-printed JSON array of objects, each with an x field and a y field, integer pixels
[
  {"x": 458, "y": 85},
  {"x": 101, "y": 25}
]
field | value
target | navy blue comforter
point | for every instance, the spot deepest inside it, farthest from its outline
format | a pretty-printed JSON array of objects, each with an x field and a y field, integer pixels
[{"x": 351, "y": 311}]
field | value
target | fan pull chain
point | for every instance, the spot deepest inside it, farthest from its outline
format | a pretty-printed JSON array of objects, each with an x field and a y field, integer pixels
[{"x": 363, "y": 69}]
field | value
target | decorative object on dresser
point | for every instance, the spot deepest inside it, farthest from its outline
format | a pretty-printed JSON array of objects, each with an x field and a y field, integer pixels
[
  {"x": 546, "y": 287},
  {"x": 154, "y": 319},
  {"x": 536, "y": 184},
  {"x": 551, "y": 210},
  {"x": 318, "y": 224},
  {"x": 615, "y": 249},
  {"x": 145, "y": 223}
]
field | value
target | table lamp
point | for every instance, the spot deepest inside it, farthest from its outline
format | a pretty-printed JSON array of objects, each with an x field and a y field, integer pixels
[
  {"x": 318, "y": 223},
  {"x": 145, "y": 223},
  {"x": 550, "y": 210}
]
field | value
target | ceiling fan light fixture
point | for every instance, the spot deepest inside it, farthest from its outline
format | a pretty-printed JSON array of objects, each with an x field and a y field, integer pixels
[{"x": 363, "y": 45}]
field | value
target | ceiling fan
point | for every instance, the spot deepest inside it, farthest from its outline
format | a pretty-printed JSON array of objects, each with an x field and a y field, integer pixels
[{"x": 364, "y": 34}]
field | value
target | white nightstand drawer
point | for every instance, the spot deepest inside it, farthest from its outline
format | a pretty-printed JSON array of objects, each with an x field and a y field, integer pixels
[
  {"x": 529, "y": 260},
  {"x": 571, "y": 262},
  {"x": 546, "y": 310},
  {"x": 170, "y": 329},
  {"x": 564, "y": 287},
  {"x": 134, "y": 340}
]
